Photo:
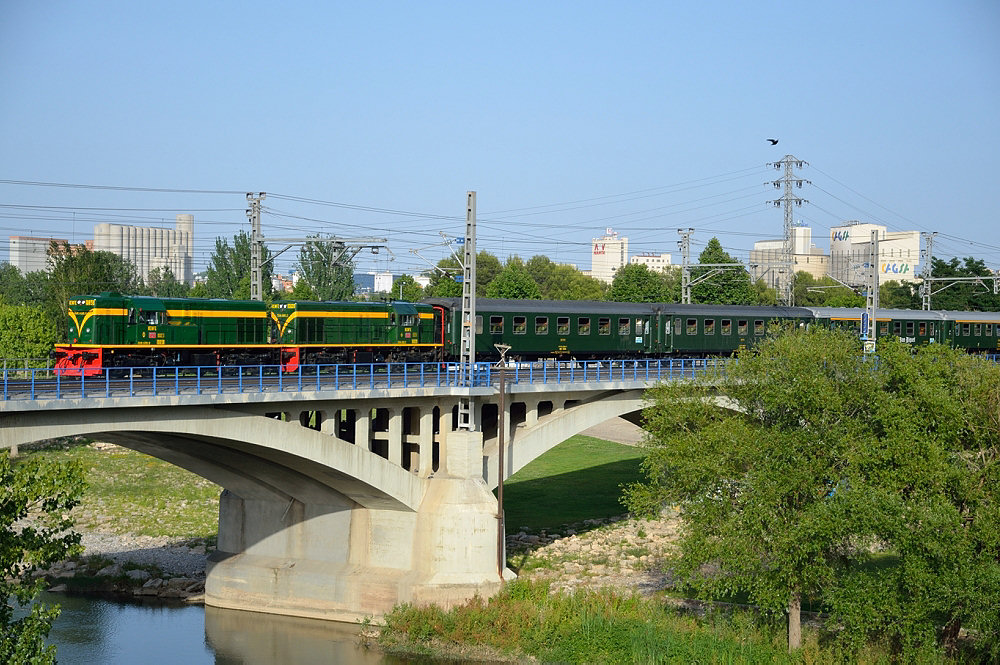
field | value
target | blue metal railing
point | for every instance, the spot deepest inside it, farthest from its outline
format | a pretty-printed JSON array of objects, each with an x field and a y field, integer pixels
[{"x": 49, "y": 383}]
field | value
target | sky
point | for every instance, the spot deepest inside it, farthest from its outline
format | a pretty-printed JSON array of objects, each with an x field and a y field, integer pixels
[{"x": 373, "y": 120}]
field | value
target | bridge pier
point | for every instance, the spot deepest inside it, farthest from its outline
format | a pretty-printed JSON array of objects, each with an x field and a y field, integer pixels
[{"x": 334, "y": 558}]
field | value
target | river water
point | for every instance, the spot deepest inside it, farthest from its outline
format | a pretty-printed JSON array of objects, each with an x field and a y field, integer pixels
[{"x": 92, "y": 631}]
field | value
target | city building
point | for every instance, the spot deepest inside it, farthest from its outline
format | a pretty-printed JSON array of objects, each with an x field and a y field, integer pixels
[
  {"x": 31, "y": 254},
  {"x": 766, "y": 256},
  {"x": 608, "y": 254},
  {"x": 655, "y": 262},
  {"x": 898, "y": 253},
  {"x": 151, "y": 248}
]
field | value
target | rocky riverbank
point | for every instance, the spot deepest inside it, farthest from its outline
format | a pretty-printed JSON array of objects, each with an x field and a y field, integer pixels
[{"x": 134, "y": 566}]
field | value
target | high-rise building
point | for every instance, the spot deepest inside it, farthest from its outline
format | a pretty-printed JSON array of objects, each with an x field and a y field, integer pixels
[
  {"x": 765, "y": 257},
  {"x": 152, "y": 248},
  {"x": 609, "y": 253},
  {"x": 898, "y": 253},
  {"x": 31, "y": 254}
]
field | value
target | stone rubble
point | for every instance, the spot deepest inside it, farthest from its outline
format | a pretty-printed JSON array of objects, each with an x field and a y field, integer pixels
[{"x": 623, "y": 553}]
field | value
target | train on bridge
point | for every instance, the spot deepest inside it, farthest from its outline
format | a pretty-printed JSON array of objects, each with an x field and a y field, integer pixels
[{"x": 114, "y": 330}]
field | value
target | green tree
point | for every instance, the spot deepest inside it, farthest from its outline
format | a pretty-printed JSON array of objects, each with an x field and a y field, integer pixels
[
  {"x": 963, "y": 296},
  {"x": 406, "y": 288},
  {"x": 635, "y": 282},
  {"x": 302, "y": 291},
  {"x": 228, "y": 273},
  {"x": 325, "y": 267},
  {"x": 764, "y": 294},
  {"x": 46, "y": 492},
  {"x": 76, "y": 270},
  {"x": 26, "y": 332},
  {"x": 558, "y": 281},
  {"x": 488, "y": 267},
  {"x": 160, "y": 282},
  {"x": 442, "y": 279},
  {"x": 898, "y": 295},
  {"x": 513, "y": 282},
  {"x": 825, "y": 292},
  {"x": 731, "y": 286},
  {"x": 873, "y": 484}
]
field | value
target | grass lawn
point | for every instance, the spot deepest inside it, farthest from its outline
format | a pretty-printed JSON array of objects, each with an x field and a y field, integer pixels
[{"x": 579, "y": 479}]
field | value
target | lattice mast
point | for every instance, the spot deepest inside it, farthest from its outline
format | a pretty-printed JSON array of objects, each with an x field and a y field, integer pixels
[
  {"x": 256, "y": 240},
  {"x": 869, "y": 325},
  {"x": 926, "y": 259},
  {"x": 685, "y": 246},
  {"x": 786, "y": 264},
  {"x": 466, "y": 415}
]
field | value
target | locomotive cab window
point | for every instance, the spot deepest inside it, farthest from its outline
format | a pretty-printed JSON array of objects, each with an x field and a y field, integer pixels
[
  {"x": 727, "y": 326},
  {"x": 520, "y": 325},
  {"x": 496, "y": 325},
  {"x": 583, "y": 325},
  {"x": 692, "y": 326},
  {"x": 562, "y": 325},
  {"x": 624, "y": 326},
  {"x": 758, "y": 327},
  {"x": 742, "y": 327},
  {"x": 604, "y": 326},
  {"x": 709, "y": 326},
  {"x": 541, "y": 325}
]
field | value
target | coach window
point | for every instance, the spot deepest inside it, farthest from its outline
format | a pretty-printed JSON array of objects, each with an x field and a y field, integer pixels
[
  {"x": 922, "y": 329},
  {"x": 909, "y": 328},
  {"x": 496, "y": 325},
  {"x": 742, "y": 327},
  {"x": 883, "y": 328},
  {"x": 677, "y": 326},
  {"x": 479, "y": 324},
  {"x": 541, "y": 325},
  {"x": 709, "y": 326},
  {"x": 520, "y": 325},
  {"x": 977, "y": 330},
  {"x": 965, "y": 329},
  {"x": 988, "y": 329},
  {"x": 562, "y": 325},
  {"x": 604, "y": 325},
  {"x": 624, "y": 326},
  {"x": 897, "y": 328},
  {"x": 692, "y": 326},
  {"x": 583, "y": 325},
  {"x": 758, "y": 327},
  {"x": 727, "y": 326}
]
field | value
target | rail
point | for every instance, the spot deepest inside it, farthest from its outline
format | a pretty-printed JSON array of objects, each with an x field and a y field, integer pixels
[{"x": 48, "y": 383}]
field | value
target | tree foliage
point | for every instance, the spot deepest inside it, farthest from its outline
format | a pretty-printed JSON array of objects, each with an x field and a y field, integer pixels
[
  {"x": 326, "y": 270},
  {"x": 557, "y": 281},
  {"x": 635, "y": 282},
  {"x": 963, "y": 296},
  {"x": 26, "y": 332},
  {"x": 513, "y": 282},
  {"x": 45, "y": 492},
  {"x": 228, "y": 273},
  {"x": 406, "y": 288},
  {"x": 162, "y": 283},
  {"x": 871, "y": 487},
  {"x": 728, "y": 287}
]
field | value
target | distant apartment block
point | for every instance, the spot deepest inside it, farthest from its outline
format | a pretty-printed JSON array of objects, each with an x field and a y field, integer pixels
[
  {"x": 31, "y": 254},
  {"x": 151, "y": 248},
  {"x": 765, "y": 257},
  {"x": 655, "y": 262}
]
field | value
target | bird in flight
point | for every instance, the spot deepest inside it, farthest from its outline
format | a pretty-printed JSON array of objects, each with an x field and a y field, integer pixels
[{"x": 773, "y": 141}]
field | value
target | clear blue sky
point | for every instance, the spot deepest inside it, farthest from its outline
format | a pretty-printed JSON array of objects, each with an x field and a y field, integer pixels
[{"x": 565, "y": 117}]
